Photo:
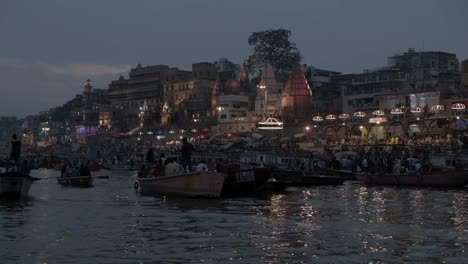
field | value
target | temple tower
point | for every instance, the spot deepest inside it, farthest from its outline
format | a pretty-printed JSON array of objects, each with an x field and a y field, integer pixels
[{"x": 296, "y": 96}]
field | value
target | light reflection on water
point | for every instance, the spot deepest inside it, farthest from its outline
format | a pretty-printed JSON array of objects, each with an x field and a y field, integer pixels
[{"x": 111, "y": 223}]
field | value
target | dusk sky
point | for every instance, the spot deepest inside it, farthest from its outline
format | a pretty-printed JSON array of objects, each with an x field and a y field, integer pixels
[{"x": 49, "y": 48}]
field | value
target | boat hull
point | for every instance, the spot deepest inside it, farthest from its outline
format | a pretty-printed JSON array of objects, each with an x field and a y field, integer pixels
[
  {"x": 15, "y": 185},
  {"x": 246, "y": 182},
  {"x": 287, "y": 178},
  {"x": 199, "y": 184},
  {"x": 432, "y": 179},
  {"x": 84, "y": 181}
]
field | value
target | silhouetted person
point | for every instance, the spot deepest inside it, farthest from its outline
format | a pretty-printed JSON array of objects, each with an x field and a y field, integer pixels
[
  {"x": 150, "y": 156},
  {"x": 187, "y": 149},
  {"x": 15, "y": 149}
]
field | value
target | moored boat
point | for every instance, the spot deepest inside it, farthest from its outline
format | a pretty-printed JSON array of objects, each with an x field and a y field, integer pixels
[
  {"x": 196, "y": 184},
  {"x": 245, "y": 181},
  {"x": 285, "y": 178},
  {"x": 437, "y": 177},
  {"x": 79, "y": 181},
  {"x": 15, "y": 184}
]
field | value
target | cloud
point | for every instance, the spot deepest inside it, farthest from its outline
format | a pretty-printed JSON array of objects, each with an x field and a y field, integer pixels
[
  {"x": 83, "y": 69},
  {"x": 11, "y": 63}
]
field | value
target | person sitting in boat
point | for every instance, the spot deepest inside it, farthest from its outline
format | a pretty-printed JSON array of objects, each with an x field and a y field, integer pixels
[
  {"x": 172, "y": 168},
  {"x": 417, "y": 166},
  {"x": 84, "y": 171},
  {"x": 201, "y": 166}
]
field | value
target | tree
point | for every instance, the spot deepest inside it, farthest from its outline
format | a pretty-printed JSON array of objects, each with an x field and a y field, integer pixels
[{"x": 272, "y": 47}]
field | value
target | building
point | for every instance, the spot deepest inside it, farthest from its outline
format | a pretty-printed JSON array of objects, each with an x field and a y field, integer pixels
[
  {"x": 141, "y": 92},
  {"x": 464, "y": 75},
  {"x": 296, "y": 97},
  {"x": 234, "y": 115},
  {"x": 326, "y": 92},
  {"x": 268, "y": 95},
  {"x": 410, "y": 79}
]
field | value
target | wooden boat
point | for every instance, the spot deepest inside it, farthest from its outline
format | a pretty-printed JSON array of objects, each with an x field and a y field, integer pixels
[
  {"x": 15, "y": 184},
  {"x": 287, "y": 178},
  {"x": 79, "y": 181},
  {"x": 245, "y": 181},
  {"x": 197, "y": 184},
  {"x": 436, "y": 177}
]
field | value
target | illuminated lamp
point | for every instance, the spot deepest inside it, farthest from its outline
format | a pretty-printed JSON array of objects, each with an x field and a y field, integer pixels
[
  {"x": 458, "y": 107},
  {"x": 396, "y": 111},
  {"x": 378, "y": 113},
  {"x": 416, "y": 110},
  {"x": 360, "y": 114},
  {"x": 317, "y": 119},
  {"x": 343, "y": 116}
]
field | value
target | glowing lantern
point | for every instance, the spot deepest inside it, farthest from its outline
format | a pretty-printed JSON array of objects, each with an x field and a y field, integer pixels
[
  {"x": 416, "y": 110},
  {"x": 194, "y": 130},
  {"x": 270, "y": 124},
  {"x": 171, "y": 131},
  {"x": 343, "y": 116},
  {"x": 437, "y": 108},
  {"x": 396, "y": 111},
  {"x": 317, "y": 118},
  {"x": 458, "y": 107},
  {"x": 360, "y": 114},
  {"x": 378, "y": 113},
  {"x": 330, "y": 117}
]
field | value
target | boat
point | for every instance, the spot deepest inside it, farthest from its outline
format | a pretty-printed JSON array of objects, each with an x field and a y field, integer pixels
[
  {"x": 285, "y": 178},
  {"x": 15, "y": 184},
  {"x": 247, "y": 181},
  {"x": 196, "y": 184},
  {"x": 121, "y": 167},
  {"x": 78, "y": 181},
  {"x": 436, "y": 177}
]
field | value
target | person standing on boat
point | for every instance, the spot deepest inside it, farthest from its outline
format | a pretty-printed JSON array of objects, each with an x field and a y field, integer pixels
[
  {"x": 15, "y": 149},
  {"x": 187, "y": 149}
]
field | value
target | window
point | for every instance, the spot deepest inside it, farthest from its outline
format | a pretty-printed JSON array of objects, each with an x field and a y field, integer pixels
[{"x": 223, "y": 116}]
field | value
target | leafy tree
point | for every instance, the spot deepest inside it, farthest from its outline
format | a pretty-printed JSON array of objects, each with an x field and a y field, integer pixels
[{"x": 272, "y": 47}]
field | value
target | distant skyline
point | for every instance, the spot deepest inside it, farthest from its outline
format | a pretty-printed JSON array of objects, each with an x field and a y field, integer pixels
[{"x": 49, "y": 48}]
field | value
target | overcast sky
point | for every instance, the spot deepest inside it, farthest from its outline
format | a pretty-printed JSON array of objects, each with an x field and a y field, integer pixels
[{"x": 49, "y": 48}]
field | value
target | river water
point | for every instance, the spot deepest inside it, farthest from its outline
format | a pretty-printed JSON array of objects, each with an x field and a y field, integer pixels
[{"x": 352, "y": 223}]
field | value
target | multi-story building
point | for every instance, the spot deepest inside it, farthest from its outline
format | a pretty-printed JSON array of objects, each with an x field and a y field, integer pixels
[
  {"x": 326, "y": 92},
  {"x": 141, "y": 95},
  {"x": 411, "y": 79},
  {"x": 234, "y": 115}
]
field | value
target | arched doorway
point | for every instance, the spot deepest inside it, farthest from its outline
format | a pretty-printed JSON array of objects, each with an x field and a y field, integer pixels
[
  {"x": 377, "y": 132},
  {"x": 396, "y": 129},
  {"x": 359, "y": 132}
]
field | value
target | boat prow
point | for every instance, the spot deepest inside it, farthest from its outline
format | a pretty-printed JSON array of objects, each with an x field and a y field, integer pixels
[{"x": 15, "y": 184}]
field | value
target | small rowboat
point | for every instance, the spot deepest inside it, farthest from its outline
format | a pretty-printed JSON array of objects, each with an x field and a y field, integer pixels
[
  {"x": 438, "y": 177},
  {"x": 81, "y": 181},
  {"x": 197, "y": 184}
]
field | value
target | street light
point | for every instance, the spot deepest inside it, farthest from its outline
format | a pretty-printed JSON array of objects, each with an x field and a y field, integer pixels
[{"x": 263, "y": 87}]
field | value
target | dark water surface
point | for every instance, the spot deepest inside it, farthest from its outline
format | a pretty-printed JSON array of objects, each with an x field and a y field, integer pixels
[{"x": 111, "y": 223}]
